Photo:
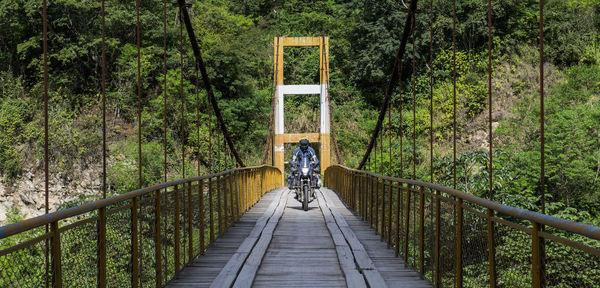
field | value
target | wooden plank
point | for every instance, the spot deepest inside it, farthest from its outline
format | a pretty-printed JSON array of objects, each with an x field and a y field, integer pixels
[
  {"x": 365, "y": 264},
  {"x": 345, "y": 255},
  {"x": 204, "y": 269},
  {"x": 321, "y": 247},
  {"x": 248, "y": 272},
  {"x": 228, "y": 275},
  {"x": 302, "y": 252},
  {"x": 391, "y": 268}
]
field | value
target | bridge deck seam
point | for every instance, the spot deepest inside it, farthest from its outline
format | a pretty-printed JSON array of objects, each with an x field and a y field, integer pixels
[
  {"x": 230, "y": 272},
  {"x": 342, "y": 247},
  {"x": 248, "y": 273},
  {"x": 361, "y": 257}
]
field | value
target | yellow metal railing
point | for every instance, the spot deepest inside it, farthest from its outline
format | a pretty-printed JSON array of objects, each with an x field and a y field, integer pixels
[
  {"x": 456, "y": 239},
  {"x": 137, "y": 239}
]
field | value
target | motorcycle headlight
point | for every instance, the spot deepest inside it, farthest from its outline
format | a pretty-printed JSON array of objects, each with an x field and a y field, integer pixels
[{"x": 305, "y": 171}]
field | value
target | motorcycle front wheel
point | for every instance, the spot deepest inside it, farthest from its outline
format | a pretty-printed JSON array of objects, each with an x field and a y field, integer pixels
[{"x": 305, "y": 197}]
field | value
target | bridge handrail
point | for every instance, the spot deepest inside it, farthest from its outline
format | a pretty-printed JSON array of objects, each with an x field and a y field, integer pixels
[
  {"x": 42, "y": 220},
  {"x": 126, "y": 232},
  {"x": 587, "y": 230},
  {"x": 449, "y": 236}
]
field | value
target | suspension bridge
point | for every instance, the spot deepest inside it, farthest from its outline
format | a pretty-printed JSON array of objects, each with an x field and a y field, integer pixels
[{"x": 241, "y": 227}]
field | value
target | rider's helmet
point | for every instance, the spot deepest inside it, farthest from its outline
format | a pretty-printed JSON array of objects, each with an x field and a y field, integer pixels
[{"x": 304, "y": 144}]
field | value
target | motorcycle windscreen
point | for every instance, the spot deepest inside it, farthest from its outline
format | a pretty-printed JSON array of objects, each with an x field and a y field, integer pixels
[{"x": 305, "y": 161}]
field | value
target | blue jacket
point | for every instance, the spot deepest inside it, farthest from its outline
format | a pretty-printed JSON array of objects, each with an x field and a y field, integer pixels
[{"x": 298, "y": 154}]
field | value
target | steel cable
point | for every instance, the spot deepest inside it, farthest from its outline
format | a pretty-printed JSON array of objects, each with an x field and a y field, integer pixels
[
  {"x": 274, "y": 102},
  {"x": 331, "y": 126},
  {"x": 206, "y": 80},
  {"x": 390, "y": 88}
]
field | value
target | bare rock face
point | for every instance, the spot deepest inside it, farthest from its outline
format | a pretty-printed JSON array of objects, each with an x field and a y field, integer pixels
[
  {"x": 28, "y": 197},
  {"x": 3, "y": 211}
]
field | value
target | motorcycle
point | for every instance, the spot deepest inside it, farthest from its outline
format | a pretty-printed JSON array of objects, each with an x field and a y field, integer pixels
[{"x": 305, "y": 182}]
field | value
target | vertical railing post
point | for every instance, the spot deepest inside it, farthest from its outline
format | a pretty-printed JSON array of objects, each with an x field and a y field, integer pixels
[
  {"x": 422, "y": 231},
  {"x": 343, "y": 180},
  {"x": 231, "y": 199},
  {"x": 245, "y": 189},
  {"x": 157, "y": 239},
  {"x": 177, "y": 235},
  {"x": 240, "y": 194},
  {"x": 389, "y": 212},
  {"x": 349, "y": 189},
  {"x": 383, "y": 210},
  {"x": 201, "y": 207},
  {"x": 249, "y": 188},
  {"x": 102, "y": 247},
  {"x": 459, "y": 225},
  {"x": 234, "y": 198},
  {"x": 346, "y": 185},
  {"x": 536, "y": 256},
  {"x": 491, "y": 248},
  {"x": 190, "y": 226},
  {"x": 437, "y": 259},
  {"x": 376, "y": 204},
  {"x": 211, "y": 217},
  {"x": 398, "y": 208},
  {"x": 363, "y": 196},
  {"x": 226, "y": 190},
  {"x": 238, "y": 191},
  {"x": 134, "y": 243},
  {"x": 56, "y": 256},
  {"x": 219, "y": 209},
  {"x": 406, "y": 224},
  {"x": 354, "y": 191},
  {"x": 371, "y": 217},
  {"x": 262, "y": 178},
  {"x": 253, "y": 186}
]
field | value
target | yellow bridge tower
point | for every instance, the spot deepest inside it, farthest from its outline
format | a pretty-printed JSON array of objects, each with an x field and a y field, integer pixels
[{"x": 321, "y": 89}]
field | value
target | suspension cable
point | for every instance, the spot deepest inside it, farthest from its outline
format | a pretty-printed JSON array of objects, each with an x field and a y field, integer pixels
[
  {"x": 46, "y": 158},
  {"x": 210, "y": 138},
  {"x": 331, "y": 126},
  {"x": 390, "y": 138},
  {"x": 159, "y": 260},
  {"x": 274, "y": 102},
  {"x": 431, "y": 91},
  {"x": 134, "y": 205},
  {"x": 381, "y": 150},
  {"x": 436, "y": 261},
  {"x": 542, "y": 131},
  {"x": 139, "y": 92},
  {"x": 490, "y": 212},
  {"x": 454, "y": 93},
  {"x": 197, "y": 91},
  {"x": 394, "y": 77},
  {"x": 206, "y": 80},
  {"x": 103, "y": 105},
  {"x": 401, "y": 122},
  {"x": 542, "y": 244},
  {"x": 414, "y": 96},
  {"x": 181, "y": 94}
]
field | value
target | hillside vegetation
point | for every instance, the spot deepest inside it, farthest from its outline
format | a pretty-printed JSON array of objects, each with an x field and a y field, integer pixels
[{"x": 236, "y": 40}]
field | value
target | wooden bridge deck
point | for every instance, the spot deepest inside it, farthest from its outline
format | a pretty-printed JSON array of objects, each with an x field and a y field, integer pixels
[{"x": 277, "y": 244}]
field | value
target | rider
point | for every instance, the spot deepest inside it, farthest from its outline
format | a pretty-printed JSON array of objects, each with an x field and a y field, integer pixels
[{"x": 302, "y": 151}]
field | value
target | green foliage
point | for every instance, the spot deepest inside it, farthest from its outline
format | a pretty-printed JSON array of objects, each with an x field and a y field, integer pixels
[
  {"x": 236, "y": 41},
  {"x": 16, "y": 115}
]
